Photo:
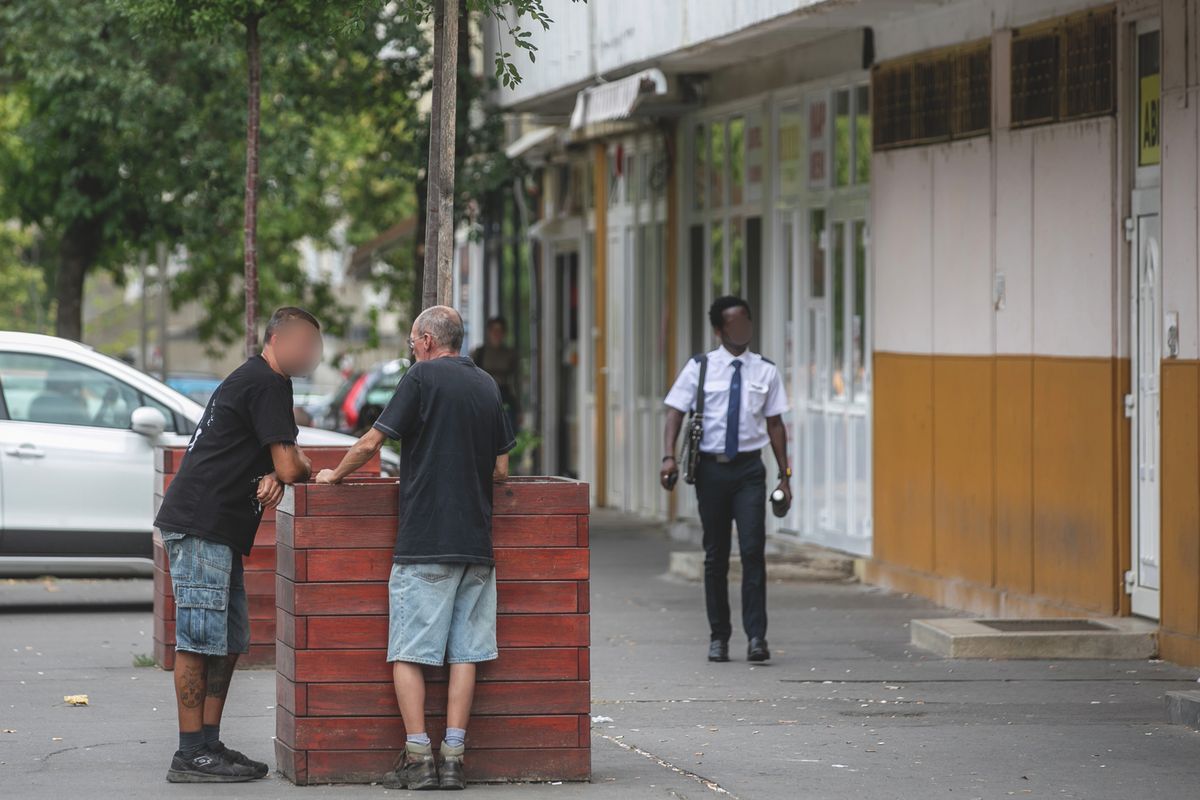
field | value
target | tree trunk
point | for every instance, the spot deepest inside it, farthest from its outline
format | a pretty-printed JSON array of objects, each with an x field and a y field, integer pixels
[
  {"x": 439, "y": 233},
  {"x": 250, "y": 225},
  {"x": 77, "y": 253}
]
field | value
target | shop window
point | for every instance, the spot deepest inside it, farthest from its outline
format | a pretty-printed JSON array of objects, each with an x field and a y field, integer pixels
[
  {"x": 716, "y": 163},
  {"x": 1065, "y": 69},
  {"x": 699, "y": 167},
  {"x": 862, "y": 134},
  {"x": 842, "y": 137},
  {"x": 697, "y": 280},
  {"x": 932, "y": 97},
  {"x": 737, "y": 160}
]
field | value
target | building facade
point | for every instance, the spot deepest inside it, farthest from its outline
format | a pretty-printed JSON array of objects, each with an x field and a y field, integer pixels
[{"x": 968, "y": 231}]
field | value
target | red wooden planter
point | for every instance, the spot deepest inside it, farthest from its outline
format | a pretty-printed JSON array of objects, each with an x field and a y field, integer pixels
[
  {"x": 336, "y": 719},
  {"x": 259, "y": 567}
]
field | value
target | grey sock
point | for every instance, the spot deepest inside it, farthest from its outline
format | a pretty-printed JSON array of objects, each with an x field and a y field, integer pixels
[
  {"x": 191, "y": 742},
  {"x": 418, "y": 738},
  {"x": 212, "y": 734},
  {"x": 456, "y": 736}
]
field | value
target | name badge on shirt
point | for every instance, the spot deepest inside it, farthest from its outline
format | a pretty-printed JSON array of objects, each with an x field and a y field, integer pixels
[{"x": 758, "y": 387}]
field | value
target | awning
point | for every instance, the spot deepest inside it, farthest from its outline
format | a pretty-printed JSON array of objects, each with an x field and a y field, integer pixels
[
  {"x": 616, "y": 100},
  {"x": 528, "y": 141}
]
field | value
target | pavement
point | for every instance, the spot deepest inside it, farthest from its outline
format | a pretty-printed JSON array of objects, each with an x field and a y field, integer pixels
[{"x": 846, "y": 709}]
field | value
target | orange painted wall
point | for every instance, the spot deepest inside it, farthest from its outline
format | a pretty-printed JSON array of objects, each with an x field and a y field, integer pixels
[
  {"x": 1004, "y": 475},
  {"x": 1179, "y": 635}
]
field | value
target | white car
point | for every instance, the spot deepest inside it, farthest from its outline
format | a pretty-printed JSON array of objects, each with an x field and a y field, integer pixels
[{"x": 77, "y": 437}]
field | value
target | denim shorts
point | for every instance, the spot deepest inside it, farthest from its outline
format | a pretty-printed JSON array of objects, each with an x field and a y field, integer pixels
[
  {"x": 211, "y": 614},
  {"x": 442, "y": 613}
]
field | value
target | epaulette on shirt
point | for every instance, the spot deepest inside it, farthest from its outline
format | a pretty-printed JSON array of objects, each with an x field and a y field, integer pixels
[
  {"x": 699, "y": 357},
  {"x": 769, "y": 361}
]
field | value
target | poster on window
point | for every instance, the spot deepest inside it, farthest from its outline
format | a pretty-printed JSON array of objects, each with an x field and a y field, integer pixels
[
  {"x": 789, "y": 138},
  {"x": 818, "y": 141}
]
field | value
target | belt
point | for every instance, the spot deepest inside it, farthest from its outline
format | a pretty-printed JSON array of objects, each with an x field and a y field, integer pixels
[{"x": 721, "y": 458}]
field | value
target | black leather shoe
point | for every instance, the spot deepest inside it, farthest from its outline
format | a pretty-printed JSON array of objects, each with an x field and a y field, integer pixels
[
  {"x": 718, "y": 650},
  {"x": 757, "y": 651}
]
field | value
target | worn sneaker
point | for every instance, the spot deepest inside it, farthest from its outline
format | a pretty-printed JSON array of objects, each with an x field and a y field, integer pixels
[
  {"x": 450, "y": 767},
  {"x": 235, "y": 757},
  {"x": 206, "y": 766},
  {"x": 415, "y": 768}
]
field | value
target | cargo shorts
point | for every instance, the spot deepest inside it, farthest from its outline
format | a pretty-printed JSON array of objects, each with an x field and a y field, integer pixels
[{"x": 212, "y": 616}]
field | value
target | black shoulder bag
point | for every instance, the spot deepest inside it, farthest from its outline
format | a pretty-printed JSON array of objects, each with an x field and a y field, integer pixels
[{"x": 695, "y": 429}]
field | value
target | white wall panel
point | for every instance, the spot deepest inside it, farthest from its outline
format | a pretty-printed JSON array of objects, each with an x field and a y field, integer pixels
[
  {"x": 1179, "y": 219},
  {"x": 901, "y": 249},
  {"x": 1073, "y": 219},
  {"x": 962, "y": 248},
  {"x": 1014, "y": 241}
]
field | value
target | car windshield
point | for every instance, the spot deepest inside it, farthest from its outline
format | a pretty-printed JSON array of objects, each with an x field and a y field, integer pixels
[{"x": 383, "y": 389}]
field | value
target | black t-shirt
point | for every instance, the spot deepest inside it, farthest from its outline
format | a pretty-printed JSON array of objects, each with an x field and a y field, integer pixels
[
  {"x": 213, "y": 495},
  {"x": 447, "y": 414}
]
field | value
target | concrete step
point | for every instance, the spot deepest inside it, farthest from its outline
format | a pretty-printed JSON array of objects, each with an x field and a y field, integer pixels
[
  {"x": 1183, "y": 708},
  {"x": 803, "y": 562},
  {"x": 1108, "y": 638}
]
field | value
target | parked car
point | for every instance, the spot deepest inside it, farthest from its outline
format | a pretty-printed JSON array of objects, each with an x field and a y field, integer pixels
[
  {"x": 361, "y": 398},
  {"x": 198, "y": 386},
  {"x": 77, "y": 437}
]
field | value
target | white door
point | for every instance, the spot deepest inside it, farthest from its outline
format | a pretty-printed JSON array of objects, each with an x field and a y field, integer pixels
[
  {"x": 1148, "y": 341},
  {"x": 833, "y": 390},
  {"x": 1146, "y": 322},
  {"x": 72, "y": 470}
]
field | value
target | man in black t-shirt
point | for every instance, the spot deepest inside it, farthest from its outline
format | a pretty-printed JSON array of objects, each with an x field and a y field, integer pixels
[
  {"x": 454, "y": 441},
  {"x": 240, "y": 456}
]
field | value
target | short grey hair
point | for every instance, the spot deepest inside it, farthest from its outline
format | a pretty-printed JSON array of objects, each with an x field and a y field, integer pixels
[{"x": 444, "y": 324}]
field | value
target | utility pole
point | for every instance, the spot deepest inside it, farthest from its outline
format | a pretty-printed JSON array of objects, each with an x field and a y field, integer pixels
[
  {"x": 439, "y": 228},
  {"x": 162, "y": 310},
  {"x": 143, "y": 337}
]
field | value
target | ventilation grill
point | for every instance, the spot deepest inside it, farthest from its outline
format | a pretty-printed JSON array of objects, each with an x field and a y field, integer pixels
[
  {"x": 932, "y": 97},
  {"x": 1065, "y": 69}
]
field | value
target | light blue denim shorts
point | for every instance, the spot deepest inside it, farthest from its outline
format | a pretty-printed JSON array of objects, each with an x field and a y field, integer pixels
[
  {"x": 211, "y": 613},
  {"x": 442, "y": 613}
]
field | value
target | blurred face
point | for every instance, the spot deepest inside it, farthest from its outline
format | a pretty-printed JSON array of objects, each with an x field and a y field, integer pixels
[
  {"x": 420, "y": 344},
  {"x": 298, "y": 347},
  {"x": 495, "y": 334},
  {"x": 736, "y": 329}
]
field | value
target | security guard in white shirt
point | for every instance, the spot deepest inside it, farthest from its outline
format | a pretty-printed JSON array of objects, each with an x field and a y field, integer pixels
[{"x": 744, "y": 399}]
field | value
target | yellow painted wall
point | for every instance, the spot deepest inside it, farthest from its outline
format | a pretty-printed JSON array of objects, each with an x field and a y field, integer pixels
[
  {"x": 998, "y": 481},
  {"x": 1179, "y": 636}
]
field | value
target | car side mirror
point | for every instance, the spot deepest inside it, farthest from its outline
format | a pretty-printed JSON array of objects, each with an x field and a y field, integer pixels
[{"x": 147, "y": 421}]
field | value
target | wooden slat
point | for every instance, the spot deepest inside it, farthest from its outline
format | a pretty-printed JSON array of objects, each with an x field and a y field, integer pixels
[
  {"x": 491, "y": 697},
  {"x": 366, "y": 766},
  {"x": 292, "y": 763},
  {"x": 329, "y": 532},
  {"x": 353, "y": 498},
  {"x": 540, "y": 496},
  {"x": 534, "y": 530},
  {"x": 370, "y": 665},
  {"x": 371, "y": 733}
]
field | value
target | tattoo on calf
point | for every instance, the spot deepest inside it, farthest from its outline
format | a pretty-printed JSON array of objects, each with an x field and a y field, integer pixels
[
  {"x": 220, "y": 671},
  {"x": 191, "y": 687}
]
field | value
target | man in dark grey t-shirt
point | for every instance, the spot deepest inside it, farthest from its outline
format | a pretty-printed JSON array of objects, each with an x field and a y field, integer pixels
[{"x": 454, "y": 442}]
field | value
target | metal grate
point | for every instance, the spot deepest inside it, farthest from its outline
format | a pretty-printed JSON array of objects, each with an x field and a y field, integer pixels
[
  {"x": 933, "y": 97},
  {"x": 1065, "y": 69}
]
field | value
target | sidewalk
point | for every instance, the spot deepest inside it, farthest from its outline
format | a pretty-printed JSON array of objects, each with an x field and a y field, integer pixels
[{"x": 846, "y": 709}]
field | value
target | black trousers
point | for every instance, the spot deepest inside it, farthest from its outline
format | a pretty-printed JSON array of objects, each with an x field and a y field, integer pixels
[{"x": 734, "y": 492}]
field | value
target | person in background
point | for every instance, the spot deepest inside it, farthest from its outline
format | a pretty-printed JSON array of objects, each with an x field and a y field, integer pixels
[
  {"x": 240, "y": 456},
  {"x": 744, "y": 400},
  {"x": 455, "y": 437},
  {"x": 500, "y": 361}
]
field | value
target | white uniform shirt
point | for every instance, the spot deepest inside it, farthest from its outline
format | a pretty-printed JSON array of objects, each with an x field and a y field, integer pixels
[{"x": 763, "y": 396}]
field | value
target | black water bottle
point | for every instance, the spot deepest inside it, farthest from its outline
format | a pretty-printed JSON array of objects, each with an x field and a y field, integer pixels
[{"x": 778, "y": 500}]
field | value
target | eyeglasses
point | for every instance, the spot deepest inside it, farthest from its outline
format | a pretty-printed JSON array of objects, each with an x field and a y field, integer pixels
[{"x": 412, "y": 343}]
